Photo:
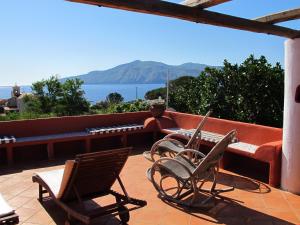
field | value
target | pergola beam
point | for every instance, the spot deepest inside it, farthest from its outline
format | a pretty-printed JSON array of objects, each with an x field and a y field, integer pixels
[
  {"x": 280, "y": 16},
  {"x": 203, "y": 3},
  {"x": 168, "y": 9}
]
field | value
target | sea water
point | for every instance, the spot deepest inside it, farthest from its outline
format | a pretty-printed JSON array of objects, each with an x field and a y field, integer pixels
[{"x": 98, "y": 92}]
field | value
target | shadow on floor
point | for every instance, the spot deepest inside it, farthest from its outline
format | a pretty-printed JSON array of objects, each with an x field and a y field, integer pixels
[
  {"x": 20, "y": 167},
  {"x": 243, "y": 183},
  {"x": 230, "y": 212},
  {"x": 59, "y": 216}
]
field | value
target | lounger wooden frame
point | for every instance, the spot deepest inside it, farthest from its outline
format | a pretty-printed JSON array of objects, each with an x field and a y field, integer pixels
[
  {"x": 192, "y": 142},
  {"x": 93, "y": 176},
  {"x": 191, "y": 169}
]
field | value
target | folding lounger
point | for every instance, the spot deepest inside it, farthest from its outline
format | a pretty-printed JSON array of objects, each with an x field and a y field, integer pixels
[
  {"x": 170, "y": 145},
  {"x": 189, "y": 174},
  {"x": 87, "y": 177},
  {"x": 7, "y": 214}
]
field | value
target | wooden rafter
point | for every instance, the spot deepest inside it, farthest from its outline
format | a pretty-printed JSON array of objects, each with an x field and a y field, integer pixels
[
  {"x": 203, "y": 3},
  {"x": 281, "y": 16},
  {"x": 168, "y": 9}
]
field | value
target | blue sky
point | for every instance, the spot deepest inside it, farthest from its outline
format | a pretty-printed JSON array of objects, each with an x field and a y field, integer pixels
[{"x": 42, "y": 38}]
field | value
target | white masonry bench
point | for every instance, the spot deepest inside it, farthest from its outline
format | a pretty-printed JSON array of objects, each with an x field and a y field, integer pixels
[
  {"x": 268, "y": 153},
  {"x": 10, "y": 142},
  {"x": 211, "y": 137}
]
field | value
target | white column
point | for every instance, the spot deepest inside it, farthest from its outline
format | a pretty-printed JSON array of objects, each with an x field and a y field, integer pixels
[{"x": 290, "y": 175}]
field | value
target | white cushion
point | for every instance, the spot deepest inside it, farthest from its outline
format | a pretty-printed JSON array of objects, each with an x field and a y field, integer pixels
[
  {"x": 5, "y": 209},
  {"x": 245, "y": 147},
  {"x": 53, "y": 179},
  {"x": 58, "y": 180}
]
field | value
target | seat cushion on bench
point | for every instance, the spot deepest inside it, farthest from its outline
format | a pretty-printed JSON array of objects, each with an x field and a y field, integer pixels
[
  {"x": 114, "y": 129},
  {"x": 7, "y": 139},
  {"x": 244, "y": 147},
  {"x": 205, "y": 135},
  {"x": 5, "y": 209}
]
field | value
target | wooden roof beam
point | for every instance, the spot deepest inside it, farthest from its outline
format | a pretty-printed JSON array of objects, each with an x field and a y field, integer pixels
[
  {"x": 280, "y": 16},
  {"x": 168, "y": 9},
  {"x": 203, "y": 3}
]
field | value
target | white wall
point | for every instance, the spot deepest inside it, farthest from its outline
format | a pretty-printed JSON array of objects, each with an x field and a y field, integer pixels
[{"x": 290, "y": 176}]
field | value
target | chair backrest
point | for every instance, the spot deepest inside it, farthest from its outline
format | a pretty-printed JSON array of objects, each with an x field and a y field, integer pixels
[
  {"x": 197, "y": 132},
  {"x": 95, "y": 172},
  {"x": 215, "y": 154}
]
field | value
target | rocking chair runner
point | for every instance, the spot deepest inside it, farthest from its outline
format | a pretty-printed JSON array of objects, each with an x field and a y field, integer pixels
[
  {"x": 190, "y": 174},
  {"x": 87, "y": 177},
  {"x": 170, "y": 145}
]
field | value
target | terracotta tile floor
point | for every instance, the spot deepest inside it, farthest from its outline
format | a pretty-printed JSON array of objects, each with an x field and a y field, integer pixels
[{"x": 251, "y": 202}]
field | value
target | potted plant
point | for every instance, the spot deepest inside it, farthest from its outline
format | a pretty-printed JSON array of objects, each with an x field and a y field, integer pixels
[{"x": 157, "y": 107}]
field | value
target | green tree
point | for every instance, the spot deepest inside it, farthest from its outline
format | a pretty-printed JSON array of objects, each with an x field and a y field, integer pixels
[
  {"x": 156, "y": 93},
  {"x": 114, "y": 98},
  {"x": 72, "y": 101},
  {"x": 249, "y": 92},
  {"x": 50, "y": 96},
  {"x": 181, "y": 93},
  {"x": 46, "y": 95}
]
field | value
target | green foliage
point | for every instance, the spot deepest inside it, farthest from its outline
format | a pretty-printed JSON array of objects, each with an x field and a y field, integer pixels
[
  {"x": 181, "y": 91},
  {"x": 112, "y": 101},
  {"x": 23, "y": 116},
  {"x": 51, "y": 96},
  {"x": 134, "y": 106},
  {"x": 249, "y": 92},
  {"x": 156, "y": 93},
  {"x": 102, "y": 105},
  {"x": 72, "y": 101},
  {"x": 47, "y": 93},
  {"x": 114, "y": 98}
]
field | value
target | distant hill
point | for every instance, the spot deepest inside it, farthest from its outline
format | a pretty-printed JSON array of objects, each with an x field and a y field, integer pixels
[{"x": 140, "y": 72}]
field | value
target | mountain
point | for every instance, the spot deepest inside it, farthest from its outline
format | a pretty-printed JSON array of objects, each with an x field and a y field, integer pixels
[{"x": 140, "y": 72}]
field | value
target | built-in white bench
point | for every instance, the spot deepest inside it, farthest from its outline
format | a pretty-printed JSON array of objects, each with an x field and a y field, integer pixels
[
  {"x": 10, "y": 142},
  {"x": 215, "y": 138}
]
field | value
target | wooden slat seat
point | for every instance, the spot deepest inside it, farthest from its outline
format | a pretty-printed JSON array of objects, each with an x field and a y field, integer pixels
[{"x": 85, "y": 178}]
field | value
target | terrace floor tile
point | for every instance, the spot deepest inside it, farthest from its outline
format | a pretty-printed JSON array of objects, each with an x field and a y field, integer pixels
[{"x": 251, "y": 203}]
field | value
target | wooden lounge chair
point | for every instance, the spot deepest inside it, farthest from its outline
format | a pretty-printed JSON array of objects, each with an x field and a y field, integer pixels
[
  {"x": 7, "y": 214},
  {"x": 180, "y": 179},
  {"x": 87, "y": 177},
  {"x": 170, "y": 144}
]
